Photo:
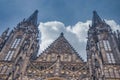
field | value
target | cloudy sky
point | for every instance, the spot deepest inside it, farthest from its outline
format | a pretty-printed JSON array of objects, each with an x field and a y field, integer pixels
[{"x": 55, "y": 16}]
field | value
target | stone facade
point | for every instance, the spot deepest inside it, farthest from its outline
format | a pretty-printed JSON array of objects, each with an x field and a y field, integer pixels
[
  {"x": 103, "y": 53},
  {"x": 19, "y": 49}
]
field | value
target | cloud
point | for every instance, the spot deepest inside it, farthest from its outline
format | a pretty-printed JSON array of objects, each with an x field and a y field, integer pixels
[
  {"x": 76, "y": 34},
  {"x": 113, "y": 25}
]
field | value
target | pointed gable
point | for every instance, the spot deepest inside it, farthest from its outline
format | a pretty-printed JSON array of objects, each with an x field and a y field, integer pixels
[{"x": 60, "y": 47}]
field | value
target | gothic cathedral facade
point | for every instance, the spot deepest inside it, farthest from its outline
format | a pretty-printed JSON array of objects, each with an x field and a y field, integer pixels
[{"x": 60, "y": 61}]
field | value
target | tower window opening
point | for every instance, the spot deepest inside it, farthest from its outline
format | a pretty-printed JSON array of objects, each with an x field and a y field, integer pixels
[
  {"x": 110, "y": 58},
  {"x": 9, "y": 55},
  {"x": 16, "y": 43},
  {"x": 106, "y": 45}
]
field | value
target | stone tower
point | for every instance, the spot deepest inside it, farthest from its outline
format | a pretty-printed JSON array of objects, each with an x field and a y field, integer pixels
[
  {"x": 17, "y": 48},
  {"x": 103, "y": 50}
]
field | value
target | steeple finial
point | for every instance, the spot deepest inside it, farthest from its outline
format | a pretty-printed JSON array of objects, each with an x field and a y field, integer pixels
[
  {"x": 96, "y": 19},
  {"x": 61, "y": 34},
  {"x": 33, "y": 18}
]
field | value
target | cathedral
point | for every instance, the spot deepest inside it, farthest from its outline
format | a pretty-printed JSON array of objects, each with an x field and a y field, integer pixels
[{"x": 59, "y": 61}]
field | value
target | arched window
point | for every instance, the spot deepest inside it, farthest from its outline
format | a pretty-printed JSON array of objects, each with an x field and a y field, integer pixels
[
  {"x": 16, "y": 43},
  {"x": 106, "y": 45},
  {"x": 117, "y": 73},
  {"x": 9, "y": 55},
  {"x": 106, "y": 73},
  {"x": 110, "y": 58},
  {"x": 53, "y": 57},
  {"x": 111, "y": 71},
  {"x": 11, "y": 52},
  {"x": 66, "y": 57}
]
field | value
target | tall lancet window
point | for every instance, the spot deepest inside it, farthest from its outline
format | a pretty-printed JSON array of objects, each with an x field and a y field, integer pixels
[
  {"x": 9, "y": 55},
  {"x": 11, "y": 52},
  {"x": 106, "y": 45},
  {"x": 16, "y": 43},
  {"x": 108, "y": 50},
  {"x": 110, "y": 58}
]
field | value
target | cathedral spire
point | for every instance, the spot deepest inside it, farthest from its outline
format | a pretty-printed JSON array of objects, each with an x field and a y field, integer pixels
[
  {"x": 96, "y": 19},
  {"x": 33, "y": 18}
]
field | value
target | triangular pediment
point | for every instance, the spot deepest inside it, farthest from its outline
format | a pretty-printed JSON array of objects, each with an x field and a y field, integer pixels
[
  {"x": 60, "y": 47},
  {"x": 59, "y": 59}
]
